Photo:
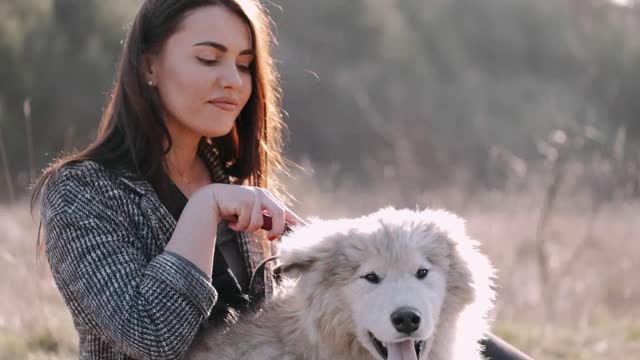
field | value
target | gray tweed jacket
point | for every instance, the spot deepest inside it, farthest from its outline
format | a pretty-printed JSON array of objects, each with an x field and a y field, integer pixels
[{"x": 104, "y": 235}]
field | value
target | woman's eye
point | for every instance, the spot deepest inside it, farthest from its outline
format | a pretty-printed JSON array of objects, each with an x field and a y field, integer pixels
[
  {"x": 422, "y": 273},
  {"x": 208, "y": 62},
  {"x": 244, "y": 68},
  {"x": 372, "y": 278}
]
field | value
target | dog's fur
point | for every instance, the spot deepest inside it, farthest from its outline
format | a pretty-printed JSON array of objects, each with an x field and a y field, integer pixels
[{"x": 326, "y": 309}]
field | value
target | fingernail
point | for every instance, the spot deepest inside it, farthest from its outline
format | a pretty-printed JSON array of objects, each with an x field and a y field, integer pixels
[{"x": 271, "y": 238}]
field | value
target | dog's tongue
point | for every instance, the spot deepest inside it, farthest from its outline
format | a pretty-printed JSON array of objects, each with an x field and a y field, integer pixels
[{"x": 401, "y": 351}]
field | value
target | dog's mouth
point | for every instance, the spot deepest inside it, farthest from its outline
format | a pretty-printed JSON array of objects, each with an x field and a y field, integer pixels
[{"x": 403, "y": 350}]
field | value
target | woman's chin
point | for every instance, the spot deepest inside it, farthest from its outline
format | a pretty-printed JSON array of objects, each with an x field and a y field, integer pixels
[{"x": 214, "y": 132}]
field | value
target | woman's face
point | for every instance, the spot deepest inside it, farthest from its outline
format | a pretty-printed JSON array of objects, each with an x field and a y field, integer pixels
[{"x": 202, "y": 72}]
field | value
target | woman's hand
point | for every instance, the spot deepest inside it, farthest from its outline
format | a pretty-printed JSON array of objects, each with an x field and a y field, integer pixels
[
  {"x": 244, "y": 206},
  {"x": 195, "y": 235}
]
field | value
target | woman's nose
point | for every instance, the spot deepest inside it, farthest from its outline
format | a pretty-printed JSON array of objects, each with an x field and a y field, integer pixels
[{"x": 230, "y": 77}]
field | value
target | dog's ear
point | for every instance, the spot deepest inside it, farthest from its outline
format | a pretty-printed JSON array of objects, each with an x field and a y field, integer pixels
[
  {"x": 297, "y": 262},
  {"x": 309, "y": 246}
]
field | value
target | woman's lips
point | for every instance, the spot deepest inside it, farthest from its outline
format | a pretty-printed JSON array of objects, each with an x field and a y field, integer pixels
[{"x": 225, "y": 106}]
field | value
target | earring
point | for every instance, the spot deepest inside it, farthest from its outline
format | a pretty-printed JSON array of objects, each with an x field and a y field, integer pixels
[{"x": 150, "y": 83}]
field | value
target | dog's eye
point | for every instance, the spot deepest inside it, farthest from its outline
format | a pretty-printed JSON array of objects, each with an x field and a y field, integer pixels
[
  {"x": 422, "y": 273},
  {"x": 372, "y": 278}
]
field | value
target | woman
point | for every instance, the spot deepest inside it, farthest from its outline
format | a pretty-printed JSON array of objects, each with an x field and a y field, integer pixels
[
  {"x": 130, "y": 222},
  {"x": 151, "y": 231}
]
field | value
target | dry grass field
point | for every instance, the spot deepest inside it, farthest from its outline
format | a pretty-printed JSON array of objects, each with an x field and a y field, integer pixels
[{"x": 584, "y": 305}]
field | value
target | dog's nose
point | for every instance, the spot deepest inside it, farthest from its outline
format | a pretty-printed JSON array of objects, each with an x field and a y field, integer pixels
[{"x": 406, "y": 320}]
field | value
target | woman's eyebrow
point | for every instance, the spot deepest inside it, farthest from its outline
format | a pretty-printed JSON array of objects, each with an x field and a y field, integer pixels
[{"x": 221, "y": 47}]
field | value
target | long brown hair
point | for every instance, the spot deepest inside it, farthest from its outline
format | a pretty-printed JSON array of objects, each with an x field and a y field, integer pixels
[{"x": 132, "y": 123}]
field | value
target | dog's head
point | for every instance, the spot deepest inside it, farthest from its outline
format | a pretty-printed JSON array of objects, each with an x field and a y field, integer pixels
[{"x": 390, "y": 281}]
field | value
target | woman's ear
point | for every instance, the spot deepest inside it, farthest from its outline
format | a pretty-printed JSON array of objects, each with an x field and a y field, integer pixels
[{"x": 149, "y": 69}]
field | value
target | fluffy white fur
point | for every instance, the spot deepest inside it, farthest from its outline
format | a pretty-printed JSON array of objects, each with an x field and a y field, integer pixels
[{"x": 326, "y": 309}]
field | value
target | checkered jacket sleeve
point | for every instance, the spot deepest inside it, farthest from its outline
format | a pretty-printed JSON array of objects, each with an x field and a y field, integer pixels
[{"x": 145, "y": 307}]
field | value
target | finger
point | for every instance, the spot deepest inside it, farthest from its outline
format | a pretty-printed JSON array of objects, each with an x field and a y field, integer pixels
[
  {"x": 267, "y": 224},
  {"x": 230, "y": 218},
  {"x": 292, "y": 218},
  {"x": 244, "y": 217},
  {"x": 256, "y": 217},
  {"x": 276, "y": 211}
]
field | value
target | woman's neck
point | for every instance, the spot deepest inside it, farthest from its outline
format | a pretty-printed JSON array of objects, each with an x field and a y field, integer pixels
[{"x": 182, "y": 158}]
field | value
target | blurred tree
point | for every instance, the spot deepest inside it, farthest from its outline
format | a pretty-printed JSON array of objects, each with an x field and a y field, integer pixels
[
  {"x": 61, "y": 55},
  {"x": 415, "y": 90}
]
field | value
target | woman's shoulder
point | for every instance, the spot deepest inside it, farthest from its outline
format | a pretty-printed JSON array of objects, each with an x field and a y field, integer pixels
[
  {"x": 84, "y": 173},
  {"x": 88, "y": 181}
]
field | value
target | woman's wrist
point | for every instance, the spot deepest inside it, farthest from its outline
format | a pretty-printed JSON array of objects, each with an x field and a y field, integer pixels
[
  {"x": 195, "y": 235},
  {"x": 206, "y": 199}
]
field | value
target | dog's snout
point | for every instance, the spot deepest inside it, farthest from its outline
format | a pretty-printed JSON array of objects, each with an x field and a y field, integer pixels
[{"x": 406, "y": 320}]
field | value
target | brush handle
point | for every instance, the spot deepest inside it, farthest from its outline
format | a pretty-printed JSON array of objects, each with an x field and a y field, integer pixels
[{"x": 267, "y": 222}]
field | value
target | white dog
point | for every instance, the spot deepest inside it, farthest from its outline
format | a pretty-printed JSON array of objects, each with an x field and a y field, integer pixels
[{"x": 396, "y": 285}]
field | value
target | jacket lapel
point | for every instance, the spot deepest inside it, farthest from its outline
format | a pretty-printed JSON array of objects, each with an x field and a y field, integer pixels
[
  {"x": 254, "y": 249},
  {"x": 162, "y": 222}
]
